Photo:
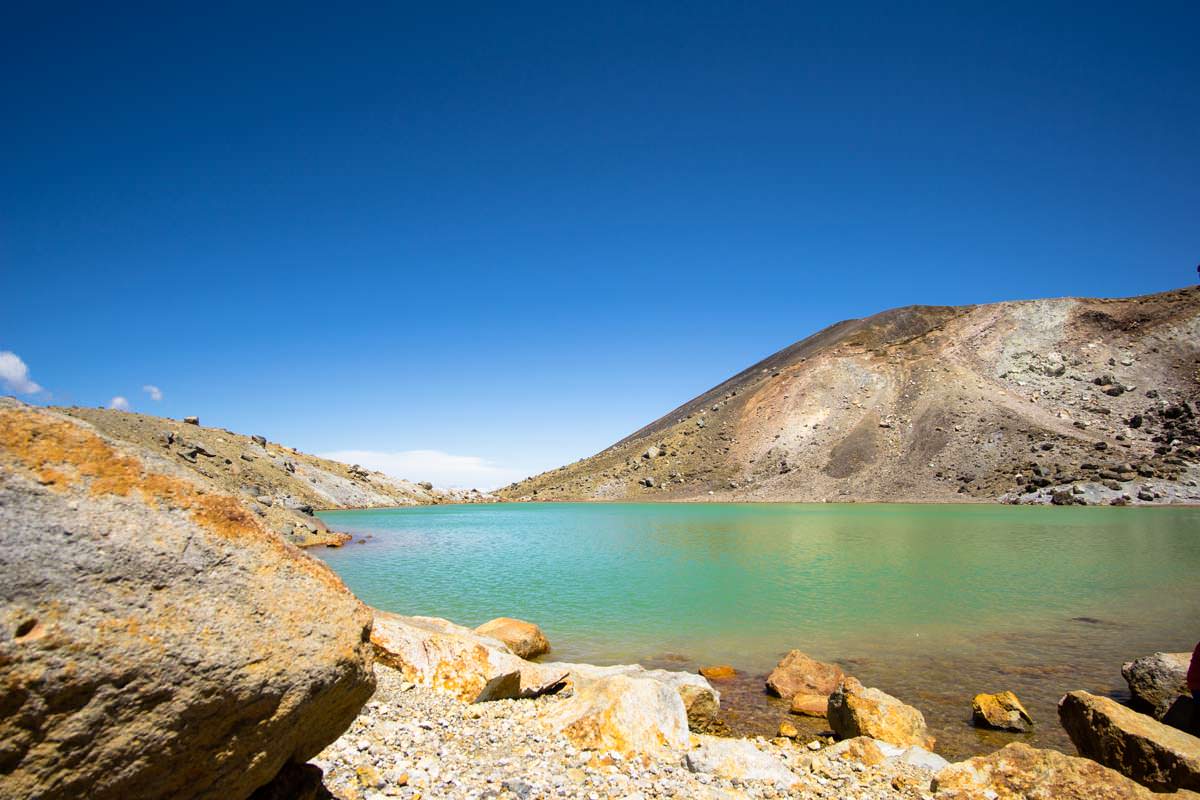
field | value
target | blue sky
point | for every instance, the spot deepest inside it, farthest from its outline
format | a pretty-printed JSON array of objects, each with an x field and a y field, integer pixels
[{"x": 482, "y": 241}]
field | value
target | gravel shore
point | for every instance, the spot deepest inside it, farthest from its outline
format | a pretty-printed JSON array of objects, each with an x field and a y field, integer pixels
[{"x": 412, "y": 742}]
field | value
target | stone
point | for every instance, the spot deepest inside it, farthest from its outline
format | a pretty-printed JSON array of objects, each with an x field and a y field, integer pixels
[
  {"x": 855, "y": 710},
  {"x": 523, "y": 638},
  {"x": 191, "y": 420},
  {"x": 622, "y": 713},
  {"x": 787, "y": 730},
  {"x": 1001, "y": 710},
  {"x": 1157, "y": 680},
  {"x": 434, "y": 652},
  {"x": 158, "y": 640},
  {"x": 1136, "y": 745},
  {"x": 738, "y": 760},
  {"x": 797, "y": 673},
  {"x": 1021, "y": 772},
  {"x": 652, "y": 452},
  {"x": 810, "y": 705},
  {"x": 648, "y": 482},
  {"x": 426, "y": 485},
  {"x": 718, "y": 672},
  {"x": 701, "y": 701},
  {"x": 261, "y": 441}
]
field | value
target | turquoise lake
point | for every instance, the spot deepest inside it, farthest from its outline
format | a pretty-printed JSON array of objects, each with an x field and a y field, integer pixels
[{"x": 932, "y": 603}]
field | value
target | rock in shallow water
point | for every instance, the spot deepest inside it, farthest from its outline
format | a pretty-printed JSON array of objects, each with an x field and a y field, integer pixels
[
  {"x": 524, "y": 638},
  {"x": 799, "y": 674},
  {"x": 855, "y": 710},
  {"x": 1157, "y": 680},
  {"x": 1002, "y": 711},
  {"x": 157, "y": 640}
]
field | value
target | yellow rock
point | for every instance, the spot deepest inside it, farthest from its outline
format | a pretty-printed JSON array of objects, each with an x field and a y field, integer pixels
[{"x": 788, "y": 730}]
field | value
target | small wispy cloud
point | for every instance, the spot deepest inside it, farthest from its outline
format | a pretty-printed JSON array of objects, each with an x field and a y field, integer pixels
[
  {"x": 119, "y": 403},
  {"x": 154, "y": 392},
  {"x": 15, "y": 375},
  {"x": 441, "y": 469}
]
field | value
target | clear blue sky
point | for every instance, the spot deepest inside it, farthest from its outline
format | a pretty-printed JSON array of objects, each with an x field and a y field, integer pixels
[{"x": 517, "y": 232}]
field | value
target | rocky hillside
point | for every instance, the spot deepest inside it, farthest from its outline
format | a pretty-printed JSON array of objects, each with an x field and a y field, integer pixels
[
  {"x": 1063, "y": 400},
  {"x": 282, "y": 485}
]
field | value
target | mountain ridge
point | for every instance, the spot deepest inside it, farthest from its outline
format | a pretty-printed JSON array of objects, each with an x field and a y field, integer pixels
[{"x": 886, "y": 407}]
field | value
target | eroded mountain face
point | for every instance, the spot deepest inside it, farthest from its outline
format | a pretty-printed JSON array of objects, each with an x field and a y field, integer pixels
[{"x": 1063, "y": 400}]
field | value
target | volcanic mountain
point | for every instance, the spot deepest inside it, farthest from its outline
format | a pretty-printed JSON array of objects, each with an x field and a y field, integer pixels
[{"x": 1065, "y": 400}]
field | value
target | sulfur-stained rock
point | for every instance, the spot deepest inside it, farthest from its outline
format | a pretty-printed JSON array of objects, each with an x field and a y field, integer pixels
[
  {"x": 738, "y": 759},
  {"x": 718, "y": 672},
  {"x": 157, "y": 640},
  {"x": 796, "y": 674},
  {"x": 1001, "y": 710},
  {"x": 1021, "y": 772},
  {"x": 474, "y": 668},
  {"x": 1153, "y": 754},
  {"x": 854, "y": 710},
  {"x": 623, "y": 713},
  {"x": 523, "y": 638}
]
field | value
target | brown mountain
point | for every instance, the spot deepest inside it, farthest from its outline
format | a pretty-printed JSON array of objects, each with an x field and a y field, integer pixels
[{"x": 1059, "y": 400}]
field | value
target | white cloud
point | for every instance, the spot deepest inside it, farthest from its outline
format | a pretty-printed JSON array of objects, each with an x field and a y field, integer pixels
[
  {"x": 154, "y": 392},
  {"x": 15, "y": 375},
  {"x": 441, "y": 469},
  {"x": 119, "y": 403}
]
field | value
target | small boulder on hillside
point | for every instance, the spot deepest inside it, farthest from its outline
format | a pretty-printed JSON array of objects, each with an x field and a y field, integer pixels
[
  {"x": 191, "y": 420},
  {"x": 797, "y": 673},
  {"x": 524, "y": 638}
]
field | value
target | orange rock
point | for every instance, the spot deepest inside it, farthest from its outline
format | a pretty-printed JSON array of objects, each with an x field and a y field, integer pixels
[
  {"x": 718, "y": 672},
  {"x": 810, "y": 705}
]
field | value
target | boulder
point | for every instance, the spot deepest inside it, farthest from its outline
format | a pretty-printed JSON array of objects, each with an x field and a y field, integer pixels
[
  {"x": 810, "y": 705},
  {"x": 523, "y": 638},
  {"x": 855, "y": 710},
  {"x": 739, "y": 760},
  {"x": 191, "y": 420},
  {"x": 1021, "y": 772},
  {"x": 1153, "y": 754},
  {"x": 1156, "y": 681},
  {"x": 1001, "y": 710},
  {"x": 799, "y": 674},
  {"x": 474, "y": 668},
  {"x": 157, "y": 640},
  {"x": 623, "y": 713},
  {"x": 718, "y": 672},
  {"x": 700, "y": 699}
]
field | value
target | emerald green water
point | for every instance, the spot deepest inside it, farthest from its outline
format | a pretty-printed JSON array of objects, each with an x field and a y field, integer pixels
[{"x": 932, "y": 603}]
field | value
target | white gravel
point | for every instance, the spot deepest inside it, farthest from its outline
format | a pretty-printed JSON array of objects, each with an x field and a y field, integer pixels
[{"x": 412, "y": 742}]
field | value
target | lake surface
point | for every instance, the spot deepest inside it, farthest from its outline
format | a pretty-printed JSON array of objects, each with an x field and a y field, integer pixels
[{"x": 931, "y": 603}]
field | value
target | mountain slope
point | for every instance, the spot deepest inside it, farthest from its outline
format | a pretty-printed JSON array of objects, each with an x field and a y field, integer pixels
[
  {"x": 1091, "y": 398},
  {"x": 282, "y": 485}
]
